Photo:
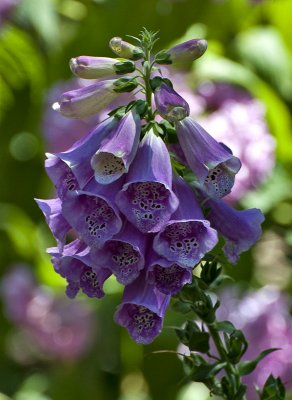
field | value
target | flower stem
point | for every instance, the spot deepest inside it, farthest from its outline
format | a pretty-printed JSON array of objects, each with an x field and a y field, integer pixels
[{"x": 231, "y": 370}]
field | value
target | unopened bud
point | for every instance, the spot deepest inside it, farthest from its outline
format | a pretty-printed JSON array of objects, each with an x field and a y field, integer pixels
[
  {"x": 183, "y": 52},
  {"x": 125, "y": 49},
  {"x": 97, "y": 67},
  {"x": 170, "y": 105}
]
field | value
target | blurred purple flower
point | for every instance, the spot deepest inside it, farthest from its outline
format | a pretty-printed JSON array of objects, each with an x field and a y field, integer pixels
[
  {"x": 265, "y": 320},
  {"x": 6, "y": 8},
  {"x": 58, "y": 328}
]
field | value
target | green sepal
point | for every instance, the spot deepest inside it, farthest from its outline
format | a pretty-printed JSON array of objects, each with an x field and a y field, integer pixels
[
  {"x": 141, "y": 107},
  {"x": 210, "y": 272},
  {"x": 273, "y": 389},
  {"x": 124, "y": 66},
  {"x": 122, "y": 85},
  {"x": 181, "y": 307},
  {"x": 157, "y": 81},
  {"x": 163, "y": 57},
  {"x": 247, "y": 367},
  {"x": 118, "y": 112},
  {"x": 137, "y": 53}
]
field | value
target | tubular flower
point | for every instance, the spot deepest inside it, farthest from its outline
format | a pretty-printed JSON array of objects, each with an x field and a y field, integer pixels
[
  {"x": 187, "y": 236},
  {"x": 213, "y": 163},
  {"x": 170, "y": 105},
  {"x": 240, "y": 229},
  {"x": 87, "y": 67},
  {"x": 146, "y": 199},
  {"x": 124, "y": 254},
  {"x": 142, "y": 311},
  {"x": 167, "y": 276},
  {"x": 93, "y": 214},
  {"x": 78, "y": 157},
  {"x": 74, "y": 264},
  {"x": 117, "y": 150}
]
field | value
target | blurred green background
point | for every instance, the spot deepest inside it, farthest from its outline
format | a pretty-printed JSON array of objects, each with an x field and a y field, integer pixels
[{"x": 250, "y": 44}]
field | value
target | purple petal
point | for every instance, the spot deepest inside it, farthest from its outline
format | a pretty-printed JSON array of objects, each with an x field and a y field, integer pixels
[
  {"x": 142, "y": 311},
  {"x": 93, "y": 214},
  {"x": 74, "y": 264},
  {"x": 61, "y": 175},
  {"x": 52, "y": 210},
  {"x": 187, "y": 237},
  {"x": 124, "y": 254},
  {"x": 214, "y": 166},
  {"x": 241, "y": 229},
  {"x": 146, "y": 199},
  {"x": 78, "y": 157},
  {"x": 167, "y": 276},
  {"x": 117, "y": 150}
]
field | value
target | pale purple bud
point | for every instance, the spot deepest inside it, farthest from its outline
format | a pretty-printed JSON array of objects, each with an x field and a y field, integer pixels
[
  {"x": 88, "y": 100},
  {"x": 142, "y": 311},
  {"x": 183, "y": 52},
  {"x": 170, "y": 105},
  {"x": 88, "y": 67}
]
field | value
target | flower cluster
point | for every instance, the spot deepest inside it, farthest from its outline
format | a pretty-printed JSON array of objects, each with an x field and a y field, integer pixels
[{"x": 133, "y": 204}]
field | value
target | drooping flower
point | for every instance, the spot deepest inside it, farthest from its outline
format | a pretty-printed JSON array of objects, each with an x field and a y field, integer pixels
[
  {"x": 187, "y": 236},
  {"x": 93, "y": 213},
  {"x": 74, "y": 263},
  {"x": 117, "y": 150},
  {"x": 89, "y": 100},
  {"x": 142, "y": 310},
  {"x": 124, "y": 254},
  {"x": 239, "y": 120},
  {"x": 88, "y": 67},
  {"x": 240, "y": 228},
  {"x": 183, "y": 52},
  {"x": 52, "y": 210},
  {"x": 170, "y": 105},
  {"x": 146, "y": 198},
  {"x": 125, "y": 49},
  {"x": 167, "y": 276},
  {"x": 213, "y": 163},
  {"x": 78, "y": 157}
]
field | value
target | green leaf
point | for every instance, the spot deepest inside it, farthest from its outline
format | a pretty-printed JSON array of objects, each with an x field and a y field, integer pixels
[
  {"x": 204, "y": 372},
  {"x": 181, "y": 307},
  {"x": 273, "y": 389},
  {"x": 199, "y": 341},
  {"x": 247, "y": 367}
]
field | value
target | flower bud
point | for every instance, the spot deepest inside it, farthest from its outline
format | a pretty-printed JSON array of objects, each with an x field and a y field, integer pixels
[
  {"x": 183, "y": 52},
  {"x": 86, "y": 101},
  {"x": 97, "y": 67},
  {"x": 170, "y": 105},
  {"x": 125, "y": 49}
]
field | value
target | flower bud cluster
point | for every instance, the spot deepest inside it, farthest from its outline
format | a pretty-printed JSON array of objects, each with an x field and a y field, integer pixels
[{"x": 120, "y": 194}]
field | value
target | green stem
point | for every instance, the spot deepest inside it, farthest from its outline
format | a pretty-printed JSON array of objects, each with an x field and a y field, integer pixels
[
  {"x": 231, "y": 370},
  {"x": 148, "y": 91}
]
